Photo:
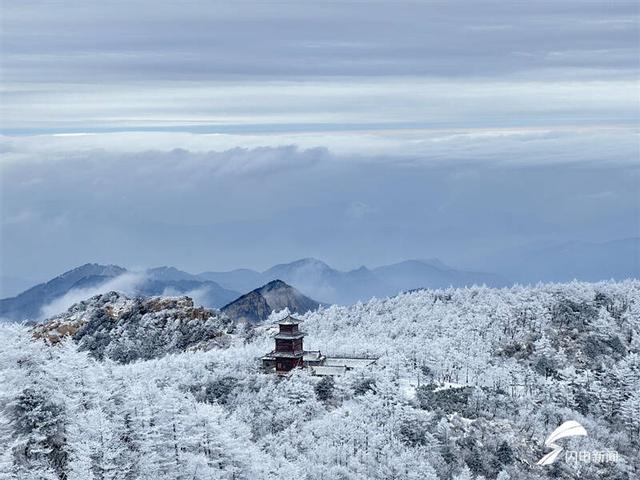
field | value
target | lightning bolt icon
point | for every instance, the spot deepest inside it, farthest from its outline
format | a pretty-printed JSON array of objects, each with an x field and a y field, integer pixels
[{"x": 567, "y": 429}]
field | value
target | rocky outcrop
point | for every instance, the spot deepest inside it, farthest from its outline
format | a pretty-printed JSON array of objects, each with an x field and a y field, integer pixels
[{"x": 125, "y": 329}]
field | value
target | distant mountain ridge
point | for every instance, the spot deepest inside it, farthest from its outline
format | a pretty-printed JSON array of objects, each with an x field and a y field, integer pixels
[
  {"x": 328, "y": 285},
  {"x": 412, "y": 274},
  {"x": 92, "y": 278},
  {"x": 313, "y": 278},
  {"x": 242, "y": 279},
  {"x": 171, "y": 281},
  {"x": 27, "y": 305},
  {"x": 310, "y": 277}
]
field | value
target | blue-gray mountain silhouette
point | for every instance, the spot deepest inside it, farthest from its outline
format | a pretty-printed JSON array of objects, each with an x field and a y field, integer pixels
[
  {"x": 257, "y": 305},
  {"x": 328, "y": 285},
  {"x": 157, "y": 281}
]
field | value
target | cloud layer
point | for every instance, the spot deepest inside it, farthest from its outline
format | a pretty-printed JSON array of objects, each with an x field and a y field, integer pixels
[
  {"x": 125, "y": 283},
  {"x": 212, "y": 135},
  {"x": 218, "y": 210},
  {"x": 260, "y": 66},
  {"x": 198, "y": 39}
]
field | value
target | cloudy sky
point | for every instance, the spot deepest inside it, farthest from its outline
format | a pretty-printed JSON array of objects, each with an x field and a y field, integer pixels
[{"x": 213, "y": 135}]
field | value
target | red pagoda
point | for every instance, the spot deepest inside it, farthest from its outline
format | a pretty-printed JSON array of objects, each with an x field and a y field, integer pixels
[{"x": 289, "y": 352}]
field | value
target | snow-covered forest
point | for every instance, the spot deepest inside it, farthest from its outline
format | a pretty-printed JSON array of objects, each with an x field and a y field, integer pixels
[{"x": 468, "y": 385}]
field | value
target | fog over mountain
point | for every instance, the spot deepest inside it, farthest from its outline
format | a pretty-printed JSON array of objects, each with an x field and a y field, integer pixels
[
  {"x": 29, "y": 303},
  {"x": 326, "y": 284},
  {"x": 311, "y": 277},
  {"x": 418, "y": 183},
  {"x": 232, "y": 135},
  {"x": 316, "y": 279},
  {"x": 56, "y": 295}
]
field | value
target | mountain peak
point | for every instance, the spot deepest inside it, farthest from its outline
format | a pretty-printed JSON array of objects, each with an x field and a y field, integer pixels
[
  {"x": 94, "y": 269},
  {"x": 163, "y": 269},
  {"x": 258, "y": 304},
  {"x": 273, "y": 285},
  {"x": 428, "y": 262},
  {"x": 311, "y": 261},
  {"x": 169, "y": 273},
  {"x": 361, "y": 269},
  {"x": 305, "y": 262}
]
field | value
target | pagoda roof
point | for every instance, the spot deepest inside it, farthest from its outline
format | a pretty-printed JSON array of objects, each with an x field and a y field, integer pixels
[
  {"x": 288, "y": 336},
  {"x": 276, "y": 354},
  {"x": 289, "y": 320}
]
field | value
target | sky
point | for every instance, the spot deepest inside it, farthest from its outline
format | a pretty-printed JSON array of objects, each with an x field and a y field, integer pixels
[{"x": 217, "y": 135}]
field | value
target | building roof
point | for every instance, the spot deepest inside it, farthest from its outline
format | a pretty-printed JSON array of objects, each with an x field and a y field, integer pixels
[
  {"x": 348, "y": 362},
  {"x": 323, "y": 371},
  {"x": 288, "y": 336},
  {"x": 276, "y": 354},
  {"x": 289, "y": 320},
  {"x": 313, "y": 356}
]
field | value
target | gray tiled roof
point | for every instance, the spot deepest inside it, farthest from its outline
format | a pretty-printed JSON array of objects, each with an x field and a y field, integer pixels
[
  {"x": 288, "y": 336},
  {"x": 289, "y": 320},
  {"x": 275, "y": 354}
]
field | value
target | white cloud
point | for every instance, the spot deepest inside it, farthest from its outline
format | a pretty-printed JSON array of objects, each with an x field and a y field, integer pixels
[
  {"x": 125, "y": 283},
  {"x": 235, "y": 154},
  {"x": 134, "y": 134},
  {"x": 262, "y": 108},
  {"x": 454, "y": 193},
  {"x": 198, "y": 295}
]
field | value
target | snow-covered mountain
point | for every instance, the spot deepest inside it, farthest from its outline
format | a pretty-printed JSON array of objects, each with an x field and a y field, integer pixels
[
  {"x": 310, "y": 276},
  {"x": 619, "y": 259},
  {"x": 125, "y": 329},
  {"x": 257, "y": 305},
  {"x": 468, "y": 384}
]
